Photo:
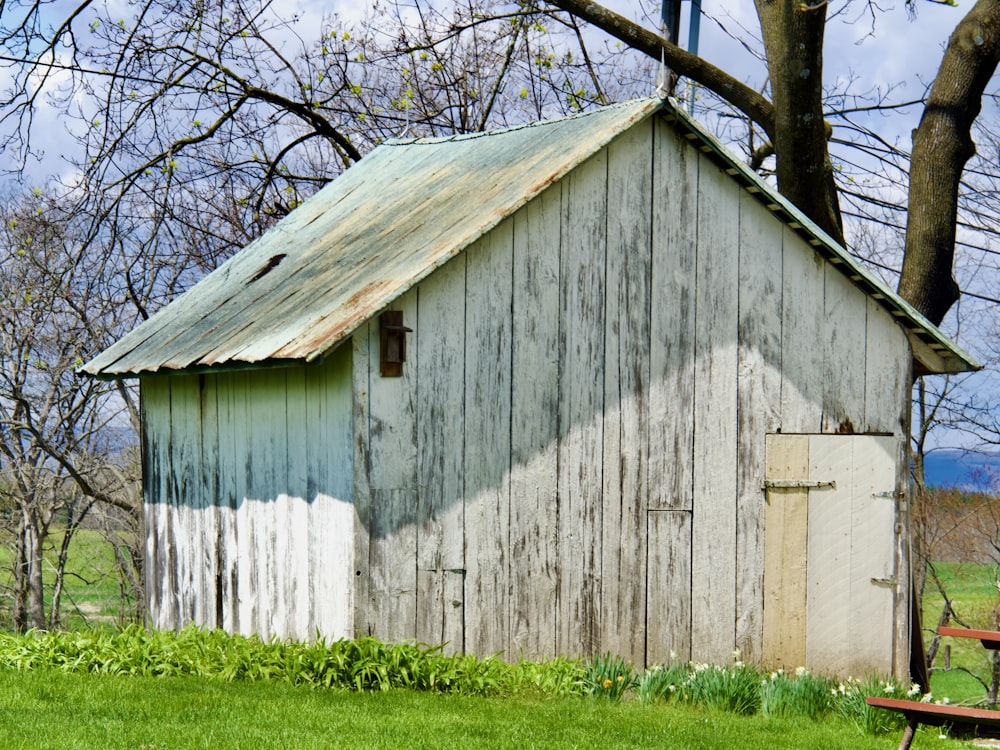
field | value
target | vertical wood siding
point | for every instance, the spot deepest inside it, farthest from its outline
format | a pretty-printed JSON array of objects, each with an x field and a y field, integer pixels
[
  {"x": 626, "y": 393},
  {"x": 572, "y": 461},
  {"x": 713, "y": 526},
  {"x": 535, "y": 368},
  {"x": 630, "y": 339},
  {"x": 759, "y": 388},
  {"x": 248, "y": 524}
]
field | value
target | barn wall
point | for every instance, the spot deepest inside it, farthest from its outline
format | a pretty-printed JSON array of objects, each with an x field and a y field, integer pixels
[
  {"x": 248, "y": 511},
  {"x": 573, "y": 460}
]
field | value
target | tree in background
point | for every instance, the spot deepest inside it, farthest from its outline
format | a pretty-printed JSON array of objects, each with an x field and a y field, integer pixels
[{"x": 58, "y": 452}]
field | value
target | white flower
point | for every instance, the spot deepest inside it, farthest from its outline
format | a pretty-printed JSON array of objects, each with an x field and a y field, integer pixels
[{"x": 801, "y": 671}]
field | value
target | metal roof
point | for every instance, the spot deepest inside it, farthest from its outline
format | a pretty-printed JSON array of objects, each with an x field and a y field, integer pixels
[
  {"x": 409, "y": 206},
  {"x": 360, "y": 242}
]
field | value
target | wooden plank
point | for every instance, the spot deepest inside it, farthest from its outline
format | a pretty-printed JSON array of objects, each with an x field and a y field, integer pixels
[
  {"x": 581, "y": 353},
  {"x": 989, "y": 638},
  {"x": 626, "y": 384},
  {"x": 332, "y": 534},
  {"x": 845, "y": 311},
  {"x": 227, "y": 503},
  {"x": 155, "y": 401},
  {"x": 713, "y": 530},
  {"x": 830, "y": 530},
  {"x": 873, "y": 572},
  {"x": 671, "y": 355},
  {"x": 786, "y": 554},
  {"x": 267, "y": 473},
  {"x": 440, "y": 451},
  {"x": 534, "y": 427},
  {"x": 487, "y": 440},
  {"x": 668, "y": 588},
  {"x": 887, "y": 374},
  {"x": 364, "y": 615},
  {"x": 292, "y": 555},
  {"x": 393, "y": 486},
  {"x": 246, "y": 574},
  {"x": 759, "y": 394},
  {"x": 941, "y": 714},
  {"x": 185, "y": 456},
  {"x": 802, "y": 281},
  {"x": 208, "y": 611}
]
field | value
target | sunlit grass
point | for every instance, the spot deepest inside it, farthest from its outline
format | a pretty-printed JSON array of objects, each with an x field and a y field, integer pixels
[
  {"x": 973, "y": 591},
  {"x": 46, "y": 709},
  {"x": 91, "y": 595}
]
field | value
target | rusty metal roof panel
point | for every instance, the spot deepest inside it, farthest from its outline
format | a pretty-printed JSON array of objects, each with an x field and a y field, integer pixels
[{"x": 409, "y": 206}]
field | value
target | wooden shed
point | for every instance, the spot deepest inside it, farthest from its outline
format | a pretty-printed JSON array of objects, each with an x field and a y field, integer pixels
[{"x": 581, "y": 386}]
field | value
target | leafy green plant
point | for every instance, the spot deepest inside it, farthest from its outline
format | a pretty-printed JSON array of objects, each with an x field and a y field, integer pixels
[
  {"x": 610, "y": 676},
  {"x": 364, "y": 665},
  {"x": 797, "y": 694},
  {"x": 850, "y": 702},
  {"x": 735, "y": 689},
  {"x": 661, "y": 683}
]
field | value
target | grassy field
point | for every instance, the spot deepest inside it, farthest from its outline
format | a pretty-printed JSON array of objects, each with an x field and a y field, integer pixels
[
  {"x": 45, "y": 709},
  {"x": 91, "y": 595},
  {"x": 973, "y": 590}
]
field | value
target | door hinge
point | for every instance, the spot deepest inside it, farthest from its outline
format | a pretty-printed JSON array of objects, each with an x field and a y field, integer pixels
[
  {"x": 890, "y": 582},
  {"x": 796, "y": 484}
]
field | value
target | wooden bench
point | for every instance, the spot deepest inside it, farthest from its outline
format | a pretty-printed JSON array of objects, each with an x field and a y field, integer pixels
[{"x": 980, "y": 721}]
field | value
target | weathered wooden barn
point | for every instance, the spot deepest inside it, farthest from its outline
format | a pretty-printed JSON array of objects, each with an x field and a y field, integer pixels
[{"x": 582, "y": 386}]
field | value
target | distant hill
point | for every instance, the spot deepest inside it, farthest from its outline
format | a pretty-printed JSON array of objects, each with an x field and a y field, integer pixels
[{"x": 956, "y": 468}]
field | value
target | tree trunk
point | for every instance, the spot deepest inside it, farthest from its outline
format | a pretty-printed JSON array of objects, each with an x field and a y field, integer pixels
[
  {"x": 33, "y": 536},
  {"x": 20, "y": 580},
  {"x": 793, "y": 42},
  {"x": 942, "y": 144}
]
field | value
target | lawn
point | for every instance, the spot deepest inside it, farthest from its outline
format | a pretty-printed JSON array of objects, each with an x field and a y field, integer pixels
[
  {"x": 47, "y": 709},
  {"x": 91, "y": 595},
  {"x": 973, "y": 591}
]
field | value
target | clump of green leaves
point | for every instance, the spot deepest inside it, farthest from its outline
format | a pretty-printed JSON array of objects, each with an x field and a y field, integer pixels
[
  {"x": 850, "y": 702},
  {"x": 365, "y": 664},
  {"x": 735, "y": 689},
  {"x": 610, "y": 676},
  {"x": 797, "y": 694},
  {"x": 661, "y": 683}
]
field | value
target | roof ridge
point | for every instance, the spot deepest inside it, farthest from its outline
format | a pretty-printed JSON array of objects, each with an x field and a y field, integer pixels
[{"x": 598, "y": 111}]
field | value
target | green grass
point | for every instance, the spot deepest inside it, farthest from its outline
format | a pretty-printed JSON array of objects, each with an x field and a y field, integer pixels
[
  {"x": 91, "y": 595},
  {"x": 973, "y": 591},
  {"x": 45, "y": 709}
]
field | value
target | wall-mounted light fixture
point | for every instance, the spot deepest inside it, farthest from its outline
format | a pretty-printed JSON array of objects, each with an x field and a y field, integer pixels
[{"x": 392, "y": 339}]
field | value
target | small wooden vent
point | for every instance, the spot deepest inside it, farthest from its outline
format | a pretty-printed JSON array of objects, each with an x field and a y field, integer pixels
[{"x": 392, "y": 338}]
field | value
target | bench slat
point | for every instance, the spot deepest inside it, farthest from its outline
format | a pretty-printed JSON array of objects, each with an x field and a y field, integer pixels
[
  {"x": 936, "y": 715},
  {"x": 989, "y": 638}
]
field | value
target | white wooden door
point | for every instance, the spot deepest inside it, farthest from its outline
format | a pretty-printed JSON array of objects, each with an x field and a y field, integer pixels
[{"x": 830, "y": 573}]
